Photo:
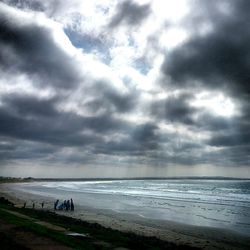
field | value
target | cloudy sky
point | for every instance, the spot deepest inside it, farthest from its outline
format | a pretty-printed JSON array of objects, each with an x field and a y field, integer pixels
[{"x": 116, "y": 88}]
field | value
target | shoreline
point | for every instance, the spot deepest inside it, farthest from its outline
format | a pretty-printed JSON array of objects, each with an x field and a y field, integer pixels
[{"x": 177, "y": 233}]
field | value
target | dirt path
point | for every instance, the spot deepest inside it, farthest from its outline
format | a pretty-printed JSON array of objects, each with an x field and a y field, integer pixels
[{"x": 39, "y": 222}]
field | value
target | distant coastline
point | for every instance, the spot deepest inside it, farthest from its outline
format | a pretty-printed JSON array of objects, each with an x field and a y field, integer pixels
[{"x": 27, "y": 179}]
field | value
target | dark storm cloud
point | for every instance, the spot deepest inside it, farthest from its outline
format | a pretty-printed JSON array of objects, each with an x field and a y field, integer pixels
[
  {"x": 238, "y": 134},
  {"x": 146, "y": 135},
  {"x": 30, "y": 48},
  {"x": 140, "y": 140},
  {"x": 174, "y": 109},
  {"x": 178, "y": 109},
  {"x": 130, "y": 13},
  {"x": 63, "y": 128},
  {"x": 209, "y": 122},
  {"x": 26, "y": 4},
  {"x": 111, "y": 102},
  {"x": 228, "y": 156},
  {"x": 38, "y": 121},
  {"x": 13, "y": 149},
  {"x": 231, "y": 140},
  {"x": 34, "y": 119},
  {"x": 219, "y": 59},
  {"x": 237, "y": 156},
  {"x": 229, "y": 135},
  {"x": 122, "y": 102},
  {"x": 50, "y": 7},
  {"x": 110, "y": 99},
  {"x": 30, "y": 105},
  {"x": 7, "y": 150}
]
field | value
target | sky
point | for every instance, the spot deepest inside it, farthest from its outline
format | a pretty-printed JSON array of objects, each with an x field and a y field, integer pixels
[{"x": 116, "y": 88}]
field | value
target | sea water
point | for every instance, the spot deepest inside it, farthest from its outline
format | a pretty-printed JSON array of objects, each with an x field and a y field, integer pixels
[{"x": 209, "y": 203}]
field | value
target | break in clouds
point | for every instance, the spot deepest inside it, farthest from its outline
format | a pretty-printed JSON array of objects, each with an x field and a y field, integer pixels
[{"x": 124, "y": 88}]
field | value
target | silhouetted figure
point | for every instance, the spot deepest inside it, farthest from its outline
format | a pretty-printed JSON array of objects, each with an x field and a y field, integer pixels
[
  {"x": 42, "y": 204},
  {"x": 61, "y": 206},
  {"x": 68, "y": 205},
  {"x": 71, "y": 205},
  {"x": 24, "y": 205},
  {"x": 55, "y": 204},
  {"x": 33, "y": 205},
  {"x": 64, "y": 204}
]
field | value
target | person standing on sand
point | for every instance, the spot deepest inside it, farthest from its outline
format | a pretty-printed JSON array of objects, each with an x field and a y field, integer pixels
[
  {"x": 33, "y": 205},
  {"x": 64, "y": 205},
  {"x": 67, "y": 205},
  {"x": 42, "y": 204},
  {"x": 24, "y": 205},
  {"x": 71, "y": 205},
  {"x": 55, "y": 204}
]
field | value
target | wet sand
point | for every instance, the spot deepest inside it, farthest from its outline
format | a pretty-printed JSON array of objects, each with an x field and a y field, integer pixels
[{"x": 202, "y": 237}]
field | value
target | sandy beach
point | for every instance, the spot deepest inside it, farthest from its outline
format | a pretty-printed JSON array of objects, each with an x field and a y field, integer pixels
[{"x": 202, "y": 237}]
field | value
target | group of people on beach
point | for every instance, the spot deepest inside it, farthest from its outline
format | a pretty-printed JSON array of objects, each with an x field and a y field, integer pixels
[{"x": 67, "y": 205}]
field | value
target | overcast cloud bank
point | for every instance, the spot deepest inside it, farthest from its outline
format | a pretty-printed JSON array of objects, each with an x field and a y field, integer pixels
[{"x": 130, "y": 88}]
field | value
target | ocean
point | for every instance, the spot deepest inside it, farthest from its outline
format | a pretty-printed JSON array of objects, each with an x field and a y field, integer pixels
[{"x": 207, "y": 203}]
